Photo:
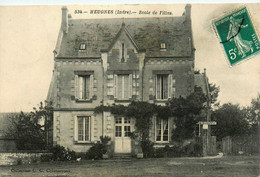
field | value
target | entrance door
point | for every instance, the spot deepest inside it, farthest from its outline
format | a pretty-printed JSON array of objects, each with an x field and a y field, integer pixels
[{"x": 122, "y": 135}]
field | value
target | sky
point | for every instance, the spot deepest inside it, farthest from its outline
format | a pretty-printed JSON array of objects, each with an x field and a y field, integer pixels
[{"x": 28, "y": 37}]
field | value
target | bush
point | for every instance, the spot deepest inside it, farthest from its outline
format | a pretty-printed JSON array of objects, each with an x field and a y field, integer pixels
[
  {"x": 46, "y": 157},
  {"x": 147, "y": 147},
  {"x": 98, "y": 149},
  {"x": 193, "y": 149},
  {"x": 19, "y": 161},
  {"x": 167, "y": 151},
  {"x": 59, "y": 153}
]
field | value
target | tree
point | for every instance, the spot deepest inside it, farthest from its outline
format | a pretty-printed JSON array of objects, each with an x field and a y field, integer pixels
[
  {"x": 213, "y": 95},
  {"x": 230, "y": 120},
  {"x": 27, "y": 130},
  {"x": 253, "y": 115},
  {"x": 187, "y": 113}
]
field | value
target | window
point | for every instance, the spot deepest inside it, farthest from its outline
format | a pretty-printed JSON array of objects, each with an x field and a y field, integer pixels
[
  {"x": 123, "y": 127},
  {"x": 123, "y": 53},
  {"x": 123, "y": 86},
  {"x": 82, "y": 128},
  {"x": 83, "y": 87},
  {"x": 162, "y": 86},
  {"x": 163, "y": 46},
  {"x": 118, "y": 131},
  {"x": 162, "y": 130},
  {"x": 82, "y": 47}
]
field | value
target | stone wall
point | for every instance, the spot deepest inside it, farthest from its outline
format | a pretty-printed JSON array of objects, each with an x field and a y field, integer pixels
[
  {"x": 19, "y": 158},
  {"x": 7, "y": 145}
]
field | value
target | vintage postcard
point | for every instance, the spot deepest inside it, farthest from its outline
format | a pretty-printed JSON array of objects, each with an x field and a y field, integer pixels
[{"x": 130, "y": 90}]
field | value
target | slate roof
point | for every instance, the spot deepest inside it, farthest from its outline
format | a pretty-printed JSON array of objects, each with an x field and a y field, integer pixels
[{"x": 148, "y": 34}]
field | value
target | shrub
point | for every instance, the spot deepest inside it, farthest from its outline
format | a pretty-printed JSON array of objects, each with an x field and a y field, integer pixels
[
  {"x": 159, "y": 152},
  {"x": 147, "y": 147},
  {"x": 46, "y": 157},
  {"x": 19, "y": 161},
  {"x": 167, "y": 151},
  {"x": 193, "y": 149},
  {"x": 59, "y": 153},
  {"x": 98, "y": 149}
]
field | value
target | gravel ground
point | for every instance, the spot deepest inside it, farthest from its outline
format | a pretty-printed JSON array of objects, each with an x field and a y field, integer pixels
[{"x": 228, "y": 166}]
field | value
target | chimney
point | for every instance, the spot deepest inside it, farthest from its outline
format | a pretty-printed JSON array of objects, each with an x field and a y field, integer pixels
[
  {"x": 64, "y": 22},
  {"x": 188, "y": 12}
]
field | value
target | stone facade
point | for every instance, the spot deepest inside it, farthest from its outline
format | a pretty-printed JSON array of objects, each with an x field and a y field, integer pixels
[{"x": 116, "y": 61}]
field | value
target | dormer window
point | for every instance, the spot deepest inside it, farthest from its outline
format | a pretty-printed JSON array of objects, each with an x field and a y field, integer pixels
[
  {"x": 82, "y": 46},
  {"x": 163, "y": 46}
]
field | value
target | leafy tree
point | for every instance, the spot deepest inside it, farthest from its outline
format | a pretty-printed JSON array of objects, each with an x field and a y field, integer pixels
[
  {"x": 230, "y": 120},
  {"x": 187, "y": 113},
  {"x": 213, "y": 93},
  {"x": 27, "y": 130},
  {"x": 253, "y": 115}
]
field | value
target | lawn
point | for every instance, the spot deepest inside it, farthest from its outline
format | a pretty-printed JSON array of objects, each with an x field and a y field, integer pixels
[{"x": 230, "y": 166}]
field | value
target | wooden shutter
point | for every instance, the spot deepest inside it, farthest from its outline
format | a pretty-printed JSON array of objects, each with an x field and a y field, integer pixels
[
  {"x": 130, "y": 85},
  {"x": 170, "y": 86},
  {"x": 76, "y": 86},
  {"x": 115, "y": 86},
  {"x": 75, "y": 128},
  {"x": 91, "y": 86}
]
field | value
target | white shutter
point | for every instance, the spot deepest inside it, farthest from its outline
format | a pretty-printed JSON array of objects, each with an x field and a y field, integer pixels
[
  {"x": 91, "y": 86},
  {"x": 170, "y": 86},
  {"x": 80, "y": 87},
  {"x": 130, "y": 85},
  {"x": 91, "y": 128},
  {"x": 75, "y": 128},
  {"x": 76, "y": 86},
  {"x": 157, "y": 87},
  {"x": 115, "y": 86}
]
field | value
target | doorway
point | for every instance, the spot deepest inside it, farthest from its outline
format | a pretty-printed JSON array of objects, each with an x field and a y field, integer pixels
[{"x": 122, "y": 135}]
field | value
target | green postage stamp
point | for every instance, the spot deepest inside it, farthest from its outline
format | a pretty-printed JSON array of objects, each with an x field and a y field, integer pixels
[{"x": 237, "y": 36}]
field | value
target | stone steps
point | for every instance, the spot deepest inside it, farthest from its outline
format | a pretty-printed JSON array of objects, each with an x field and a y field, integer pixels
[{"x": 122, "y": 156}]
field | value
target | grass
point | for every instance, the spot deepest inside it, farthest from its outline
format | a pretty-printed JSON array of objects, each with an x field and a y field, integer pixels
[{"x": 228, "y": 166}]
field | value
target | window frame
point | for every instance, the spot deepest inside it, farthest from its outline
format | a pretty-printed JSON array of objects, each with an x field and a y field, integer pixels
[
  {"x": 159, "y": 97},
  {"x": 130, "y": 87},
  {"x": 84, "y": 74},
  {"x": 76, "y": 128},
  {"x": 125, "y": 125},
  {"x": 83, "y": 47},
  {"x": 163, "y": 46},
  {"x": 161, "y": 128},
  {"x": 85, "y": 92}
]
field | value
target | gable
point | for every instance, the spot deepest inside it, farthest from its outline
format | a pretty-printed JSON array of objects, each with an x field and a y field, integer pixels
[
  {"x": 123, "y": 37},
  {"x": 122, "y": 52},
  {"x": 122, "y": 46}
]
